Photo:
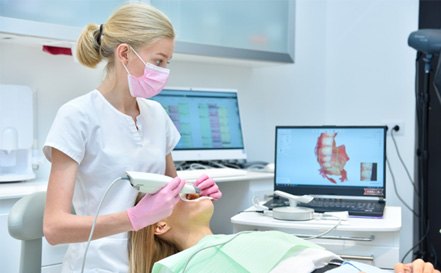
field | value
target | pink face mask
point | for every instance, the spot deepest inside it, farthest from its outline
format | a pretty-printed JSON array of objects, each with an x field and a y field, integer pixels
[{"x": 150, "y": 83}]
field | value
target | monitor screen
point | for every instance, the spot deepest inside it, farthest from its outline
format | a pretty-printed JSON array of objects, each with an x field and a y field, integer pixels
[
  {"x": 208, "y": 121},
  {"x": 331, "y": 160}
]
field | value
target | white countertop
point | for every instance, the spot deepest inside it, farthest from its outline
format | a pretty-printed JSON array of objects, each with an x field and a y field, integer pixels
[
  {"x": 11, "y": 190},
  {"x": 391, "y": 221}
]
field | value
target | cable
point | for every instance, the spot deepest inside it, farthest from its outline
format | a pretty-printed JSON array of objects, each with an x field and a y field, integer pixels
[
  {"x": 395, "y": 188},
  {"x": 197, "y": 166},
  {"x": 180, "y": 165},
  {"x": 265, "y": 211},
  {"x": 433, "y": 252},
  {"x": 405, "y": 167},
  {"x": 437, "y": 73},
  {"x": 402, "y": 161},
  {"x": 351, "y": 264},
  {"x": 215, "y": 245},
  {"x": 326, "y": 231},
  {"x": 437, "y": 94},
  {"x": 217, "y": 164},
  {"x": 92, "y": 229},
  {"x": 256, "y": 166},
  {"x": 256, "y": 203},
  {"x": 417, "y": 244}
]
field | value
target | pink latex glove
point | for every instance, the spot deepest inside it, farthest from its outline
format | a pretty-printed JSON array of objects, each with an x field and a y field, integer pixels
[
  {"x": 208, "y": 187},
  {"x": 154, "y": 207}
]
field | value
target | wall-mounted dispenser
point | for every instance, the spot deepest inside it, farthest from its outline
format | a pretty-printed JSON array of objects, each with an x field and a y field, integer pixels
[{"x": 16, "y": 133}]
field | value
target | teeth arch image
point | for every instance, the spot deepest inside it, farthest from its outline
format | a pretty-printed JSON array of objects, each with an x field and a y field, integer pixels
[{"x": 332, "y": 159}]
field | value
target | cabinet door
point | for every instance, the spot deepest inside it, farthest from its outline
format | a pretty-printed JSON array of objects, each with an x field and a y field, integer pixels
[
  {"x": 54, "y": 22},
  {"x": 67, "y": 12},
  {"x": 257, "y": 29}
]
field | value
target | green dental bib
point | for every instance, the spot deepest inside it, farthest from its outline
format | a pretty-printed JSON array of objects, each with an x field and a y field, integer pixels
[{"x": 256, "y": 252}]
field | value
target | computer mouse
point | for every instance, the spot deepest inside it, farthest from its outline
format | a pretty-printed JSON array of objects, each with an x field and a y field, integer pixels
[{"x": 269, "y": 167}]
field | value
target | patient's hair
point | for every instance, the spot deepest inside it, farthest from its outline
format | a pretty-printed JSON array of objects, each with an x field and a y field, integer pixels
[{"x": 145, "y": 249}]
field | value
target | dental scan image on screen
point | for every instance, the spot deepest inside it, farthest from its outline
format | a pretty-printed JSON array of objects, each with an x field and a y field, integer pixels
[
  {"x": 208, "y": 121},
  {"x": 331, "y": 157}
]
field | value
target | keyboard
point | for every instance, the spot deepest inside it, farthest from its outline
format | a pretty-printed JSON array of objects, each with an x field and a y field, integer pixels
[
  {"x": 354, "y": 207},
  {"x": 211, "y": 172}
]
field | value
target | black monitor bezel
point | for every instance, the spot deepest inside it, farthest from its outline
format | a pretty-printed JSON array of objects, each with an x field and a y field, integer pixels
[
  {"x": 212, "y": 153},
  {"x": 324, "y": 190}
]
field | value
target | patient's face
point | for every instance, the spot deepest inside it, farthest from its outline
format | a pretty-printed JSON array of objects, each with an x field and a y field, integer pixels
[{"x": 192, "y": 212}]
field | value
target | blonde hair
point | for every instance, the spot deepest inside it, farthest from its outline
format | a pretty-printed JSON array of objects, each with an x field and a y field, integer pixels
[
  {"x": 136, "y": 24},
  {"x": 145, "y": 249}
]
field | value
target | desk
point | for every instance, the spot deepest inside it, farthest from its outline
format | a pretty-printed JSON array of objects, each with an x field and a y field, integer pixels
[{"x": 371, "y": 240}]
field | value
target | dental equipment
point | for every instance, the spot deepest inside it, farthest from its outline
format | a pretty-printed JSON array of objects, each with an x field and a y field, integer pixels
[
  {"x": 293, "y": 213},
  {"x": 143, "y": 182},
  {"x": 152, "y": 182}
]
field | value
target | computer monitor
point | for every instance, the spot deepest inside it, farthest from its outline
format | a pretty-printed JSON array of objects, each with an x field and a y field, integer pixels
[
  {"x": 208, "y": 121},
  {"x": 331, "y": 160}
]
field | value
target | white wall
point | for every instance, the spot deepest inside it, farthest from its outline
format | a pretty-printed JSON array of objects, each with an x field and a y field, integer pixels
[
  {"x": 374, "y": 82},
  {"x": 352, "y": 66}
]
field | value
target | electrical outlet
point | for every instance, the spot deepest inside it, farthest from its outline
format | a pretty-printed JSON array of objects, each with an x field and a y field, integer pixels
[{"x": 391, "y": 124}]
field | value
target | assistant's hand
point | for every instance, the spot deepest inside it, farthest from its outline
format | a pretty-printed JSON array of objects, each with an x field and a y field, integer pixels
[
  {"x": 208, "y": 187},
  {"x": 154, "y": 207},
  {"x": 417, "y": 266}
]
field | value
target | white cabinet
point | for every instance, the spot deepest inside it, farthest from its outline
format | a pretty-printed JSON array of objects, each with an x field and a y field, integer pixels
[
  {"x": 246, "y": 29},
  {"x": 255, "y": 30},
  {"x": 52, "y": 20},
  {"x": 67, "y": 12},
  {"x": 369, "y": 240}
]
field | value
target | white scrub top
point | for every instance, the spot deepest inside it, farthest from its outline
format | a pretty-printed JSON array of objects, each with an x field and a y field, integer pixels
[{"x": 106, "y": 143}]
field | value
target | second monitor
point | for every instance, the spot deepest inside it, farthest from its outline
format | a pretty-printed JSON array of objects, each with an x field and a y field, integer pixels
[{"x": 208, "y": 121}]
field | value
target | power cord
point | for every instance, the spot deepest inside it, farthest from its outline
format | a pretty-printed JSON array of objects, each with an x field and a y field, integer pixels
[
  {"x": 396, "y": 128},
  {"x": 396, "y": 190},
  {"x": 256, "y": 166},
  {"x": 265, "y": 211},
  {"x": 415, "y": 245},
  {"x": 92, "y": 229},
  {"x": 339, "y": 219},
  {"x": 215, "y": 245}
]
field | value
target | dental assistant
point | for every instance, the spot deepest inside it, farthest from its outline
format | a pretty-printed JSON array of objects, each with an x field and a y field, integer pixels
[{"x": 97, "y": 137}]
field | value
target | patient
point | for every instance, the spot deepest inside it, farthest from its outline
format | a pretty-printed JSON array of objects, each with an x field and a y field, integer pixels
[{"x": 184, "y": 242}]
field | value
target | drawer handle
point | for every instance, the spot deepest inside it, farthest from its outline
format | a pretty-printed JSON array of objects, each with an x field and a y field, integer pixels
[
  {"x": 331, "y": 237},
  {"x": 357, "y": 257}
]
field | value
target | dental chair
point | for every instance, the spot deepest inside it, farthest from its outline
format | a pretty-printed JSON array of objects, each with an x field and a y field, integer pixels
[{"x": 25, "y": 223}]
